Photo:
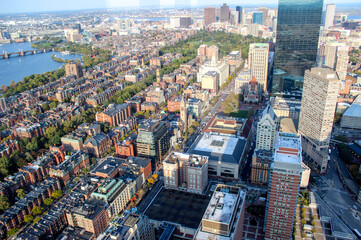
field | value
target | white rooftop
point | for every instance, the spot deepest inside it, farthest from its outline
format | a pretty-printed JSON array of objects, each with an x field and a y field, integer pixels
[
  {"x": 288, "y": 148},
  {"x": 217, "y": 143},
  {"x": 221, "y": 207}
]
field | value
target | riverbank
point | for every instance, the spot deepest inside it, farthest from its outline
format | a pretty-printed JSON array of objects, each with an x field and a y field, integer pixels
[{"x": 15, "y": 68}]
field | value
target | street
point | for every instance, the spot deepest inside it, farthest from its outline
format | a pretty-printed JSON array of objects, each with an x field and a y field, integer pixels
[{"x": 331, "y": 189}]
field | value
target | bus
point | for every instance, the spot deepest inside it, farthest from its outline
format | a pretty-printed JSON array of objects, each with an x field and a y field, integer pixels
[{"x": 358, "y": 234}]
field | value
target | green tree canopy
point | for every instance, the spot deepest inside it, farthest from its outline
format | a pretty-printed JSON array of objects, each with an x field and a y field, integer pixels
[
  {"x": 20, "y": 193},
  {"x": 37, "y": 210},
  {"x": 4, "y": 202},
  {"x": 57, "y": 194}
]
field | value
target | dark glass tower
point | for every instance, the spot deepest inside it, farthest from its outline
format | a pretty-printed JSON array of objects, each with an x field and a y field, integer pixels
[
  {"x": 298, "y": 29},
  {"x": 239, "y": 10}
]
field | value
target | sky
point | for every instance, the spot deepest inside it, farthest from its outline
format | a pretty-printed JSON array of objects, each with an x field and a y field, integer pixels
[{"x": 21, "y": 6}]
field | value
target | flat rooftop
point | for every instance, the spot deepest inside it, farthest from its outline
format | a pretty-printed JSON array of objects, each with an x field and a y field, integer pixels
[
  {"x": 219, "y": 147},
  {"x": 221, "y": 207},
  {"x": 178, "y": 207},
  {"x": 288, "y": 148}
]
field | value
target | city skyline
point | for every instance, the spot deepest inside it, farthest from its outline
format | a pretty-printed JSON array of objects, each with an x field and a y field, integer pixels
[{"x": 23, "y": 6}]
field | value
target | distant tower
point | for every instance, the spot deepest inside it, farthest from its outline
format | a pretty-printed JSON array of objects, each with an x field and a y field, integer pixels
[
  {"x": 330, "y": 15},
  {"x": 183, "y": 112},
  {"x": 158, "y": 74}
]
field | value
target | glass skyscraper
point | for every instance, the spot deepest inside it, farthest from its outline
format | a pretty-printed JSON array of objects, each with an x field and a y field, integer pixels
[
  {"x": 298, "y": 29},
  {"x": 258, "y": 18},
  {"x": 239, "y": 9}
]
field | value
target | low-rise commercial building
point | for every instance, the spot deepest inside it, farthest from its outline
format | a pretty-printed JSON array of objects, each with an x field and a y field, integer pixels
[{"x": 224, "y": 216}]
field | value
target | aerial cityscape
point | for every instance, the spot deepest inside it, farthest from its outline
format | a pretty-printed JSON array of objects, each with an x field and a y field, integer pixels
[{"x": 180, "y": 120}]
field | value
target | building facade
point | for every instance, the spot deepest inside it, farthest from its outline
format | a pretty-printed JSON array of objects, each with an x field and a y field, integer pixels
[
  {"x": 317, "y": 114},
  {"x": 115, "y": 114},
  {"x": 224, "y": 216},
  {"x": 153, "y": 141},
  {"x": 298, "y": 28},
  {"x": 285, "y": 177},
  {"x": 267, "y": 128},
  {"x": 186, "y": 172},
  {"x": 258, "y": 60}
]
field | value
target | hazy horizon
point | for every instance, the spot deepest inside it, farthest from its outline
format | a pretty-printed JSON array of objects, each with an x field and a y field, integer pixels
[{"x": 37, "y": 6}]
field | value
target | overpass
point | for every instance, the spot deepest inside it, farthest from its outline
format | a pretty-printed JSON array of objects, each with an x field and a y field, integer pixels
[{"x": 23, "y": 53}]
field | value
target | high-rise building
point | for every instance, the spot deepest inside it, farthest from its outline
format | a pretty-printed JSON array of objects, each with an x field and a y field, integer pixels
[
  {"x": 78, "y": 27},
  {"x": 186, "y": 171},
  {"x": 267, "y": 128},
  {"x": 224, "y": 216},
  {"x": 342, "y": 58},
  {"x": 258, "y": 18},
  {"x": 239, "y": 10},
  {"x": 336, "y": 58},
  {"x": 264, "y": 10},
  {"x": 224, "y": 13},
  {"x": 317, "y": 114},
  {"x": 74, "y": 69},
  {"x": 258, "y": 61},
  {"x": 330, "y": 15},
  {"x": 298, "y": 28},
  {"x": 184, "y": 113},
  {"x": 285, "y": 177},
  {"x": 209, "y": 15},
  {"x": 153, "y": 141}
]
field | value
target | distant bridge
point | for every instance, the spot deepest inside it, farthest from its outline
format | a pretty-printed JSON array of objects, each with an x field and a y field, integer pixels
[{"x": 23, "y": 53}]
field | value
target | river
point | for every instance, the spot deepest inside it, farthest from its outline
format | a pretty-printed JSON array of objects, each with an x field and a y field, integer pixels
[{"x": 16, "y": 68}]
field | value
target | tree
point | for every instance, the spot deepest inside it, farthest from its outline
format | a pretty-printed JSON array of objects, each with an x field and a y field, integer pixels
[
  {"x": 36, "y": 219},
  {"x": 28, "y": 218},
  {"x": 4, "y": 202},
  {"x": 191, "y": 130},
  {"x": 37, "y": 210},
  {"x": 45, "y": 107},
  {"x": 20, "y": 193},
  {"x": 48, "y": 201},
  {"x": 53, "y": 104},
  {"x": 303, "y": 235},
  {"x": 57, "y": 194},
  {"x": 4, "y": 165},
  {"x": 12, "y": 232},
  {"x": 341, "y": 138},
  {"x": 51, "y": 132}
]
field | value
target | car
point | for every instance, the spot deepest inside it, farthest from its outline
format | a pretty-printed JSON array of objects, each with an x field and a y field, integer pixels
[
  {"x": 341, "y": 211},
  {"x": 354, "y": 206}
]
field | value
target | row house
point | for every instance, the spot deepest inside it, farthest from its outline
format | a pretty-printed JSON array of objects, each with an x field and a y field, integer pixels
[
  {"x": 135, "y": 103},
  {"x": 127, "y": 147},
  {"x": 114, "y": 114},
  {"x": 8, "y": 147},
  {"x": 29, "y": 131},
  {"x": 50, "y": 225},
  {"x": 123, "y": 130},
  {"x": 174, "y": 104},
  {"x": 149, "y": 106},
  {"x": 98, "y": 145},
  {"x": 14, "y": 216},
  {"x": 102, "y": 97},
  {"x": 70, "y": 167}
]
